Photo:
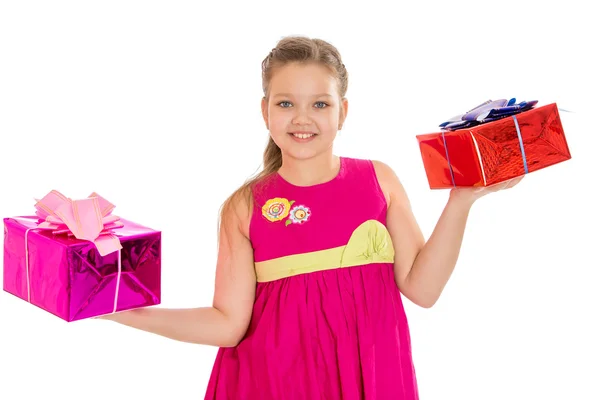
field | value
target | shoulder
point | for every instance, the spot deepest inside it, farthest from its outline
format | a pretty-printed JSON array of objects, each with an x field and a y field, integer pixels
[
  {"x": 388, "y": 181},
  {"x": 248, "y": 201},
  {"x": 384, "y": 171},
  {"x": 236, "y": 211},
  {"x": 384, "y": 175}
]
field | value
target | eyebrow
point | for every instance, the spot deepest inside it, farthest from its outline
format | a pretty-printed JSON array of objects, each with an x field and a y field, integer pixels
[{"x": 291, "y": 95}]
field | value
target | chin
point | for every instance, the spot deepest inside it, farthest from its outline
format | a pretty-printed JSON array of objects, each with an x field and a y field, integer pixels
[
  {"x": 303, "y": 154},
  {"x": 303, "y": 150},
  {"x": 300, "y": 154}
]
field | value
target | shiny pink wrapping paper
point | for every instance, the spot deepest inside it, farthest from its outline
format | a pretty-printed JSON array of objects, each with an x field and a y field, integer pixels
[{"x": 69, "y": 278}]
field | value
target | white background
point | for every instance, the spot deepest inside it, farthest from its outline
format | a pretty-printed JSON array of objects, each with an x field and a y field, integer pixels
[{"x": 156, "y": 106}]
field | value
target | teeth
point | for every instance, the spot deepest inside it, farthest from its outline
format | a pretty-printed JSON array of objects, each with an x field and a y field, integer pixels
[{"x": 303, "y": 135}]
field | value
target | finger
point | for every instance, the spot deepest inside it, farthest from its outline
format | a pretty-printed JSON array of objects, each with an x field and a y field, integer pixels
[
  {"x": 508, "y": 183},
  {"x": 514, "y": 181},
  {"x": 501, "y": 185}
]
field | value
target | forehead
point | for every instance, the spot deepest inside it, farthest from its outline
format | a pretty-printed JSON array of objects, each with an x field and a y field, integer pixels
[{"x": 303, "y": 80}]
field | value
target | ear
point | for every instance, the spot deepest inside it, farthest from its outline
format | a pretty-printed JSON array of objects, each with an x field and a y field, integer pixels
[
  {"x": 265, "y": 111},
  {"x": 343, "y": 112}
]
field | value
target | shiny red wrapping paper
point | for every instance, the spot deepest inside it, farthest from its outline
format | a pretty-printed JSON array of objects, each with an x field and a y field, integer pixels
[
  {"x": 491, "y": 153},
  {"x": 70, "y": 279}
]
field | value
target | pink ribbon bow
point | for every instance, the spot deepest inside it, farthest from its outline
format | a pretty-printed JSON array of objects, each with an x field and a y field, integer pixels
[{"x": 86, "y": 219}]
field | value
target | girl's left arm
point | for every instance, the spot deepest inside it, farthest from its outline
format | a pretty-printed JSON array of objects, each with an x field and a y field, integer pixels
[{"x": 422, "y": 268}]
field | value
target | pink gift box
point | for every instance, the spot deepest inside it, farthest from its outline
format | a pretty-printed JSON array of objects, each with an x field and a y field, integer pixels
[{"x": 68, "y": 276}]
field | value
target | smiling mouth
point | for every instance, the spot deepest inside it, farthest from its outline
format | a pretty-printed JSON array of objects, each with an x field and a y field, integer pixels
[{"x": 302, "y": 135}]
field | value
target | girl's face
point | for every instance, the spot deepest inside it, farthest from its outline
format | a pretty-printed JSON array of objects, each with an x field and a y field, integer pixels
[{"x": 304, "y": 111}]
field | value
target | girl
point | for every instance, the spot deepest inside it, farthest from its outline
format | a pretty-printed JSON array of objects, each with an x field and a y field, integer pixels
[{"x": 314, "y": 253}]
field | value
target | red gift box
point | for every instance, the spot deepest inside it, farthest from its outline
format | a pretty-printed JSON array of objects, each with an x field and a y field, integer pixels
[{"x": 495, "y": 151}]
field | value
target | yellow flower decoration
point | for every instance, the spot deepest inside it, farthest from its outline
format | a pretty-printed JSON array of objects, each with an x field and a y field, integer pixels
[{"x": 276, "y": 209}]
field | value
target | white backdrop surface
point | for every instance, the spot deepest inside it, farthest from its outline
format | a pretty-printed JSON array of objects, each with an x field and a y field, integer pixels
[{"x": 156, "y": 106}]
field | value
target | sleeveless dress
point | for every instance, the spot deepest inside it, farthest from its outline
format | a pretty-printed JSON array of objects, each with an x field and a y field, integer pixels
[{"x": 328, "y": 320}]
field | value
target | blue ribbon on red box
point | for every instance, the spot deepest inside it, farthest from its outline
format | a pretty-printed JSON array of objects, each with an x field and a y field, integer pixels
[{"x": 485, "y": 113}]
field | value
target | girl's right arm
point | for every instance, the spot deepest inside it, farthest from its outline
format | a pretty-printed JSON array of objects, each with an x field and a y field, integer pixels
[{"x": 225, "y": 323}]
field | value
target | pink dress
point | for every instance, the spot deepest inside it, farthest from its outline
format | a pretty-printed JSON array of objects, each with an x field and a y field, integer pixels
[{"x": 328, "y": 320}]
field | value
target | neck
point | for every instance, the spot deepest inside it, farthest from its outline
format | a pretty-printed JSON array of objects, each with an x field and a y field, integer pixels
[{"x": 312, "y": 171}]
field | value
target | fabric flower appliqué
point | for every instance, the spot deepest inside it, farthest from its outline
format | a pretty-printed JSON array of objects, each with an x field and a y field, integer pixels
[
  {"x": 298, "y": 215},
  {"x": 276, "y": 209}
]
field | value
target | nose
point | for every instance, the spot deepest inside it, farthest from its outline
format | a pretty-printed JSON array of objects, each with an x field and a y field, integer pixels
[{"x": 301, "y": 117}]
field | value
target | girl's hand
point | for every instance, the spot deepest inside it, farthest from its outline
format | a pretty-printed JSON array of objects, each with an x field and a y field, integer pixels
[
  {"x": 120, "y": 316},
  {"x": 110, "y": 317},
  {"x": 470, "y": 194}
]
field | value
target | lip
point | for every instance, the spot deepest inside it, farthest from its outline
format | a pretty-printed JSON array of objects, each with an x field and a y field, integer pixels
[{"x": 300, "y": 140}]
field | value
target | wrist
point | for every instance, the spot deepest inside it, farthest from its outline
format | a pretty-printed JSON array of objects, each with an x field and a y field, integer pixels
[{"x": 463, "y": 198}]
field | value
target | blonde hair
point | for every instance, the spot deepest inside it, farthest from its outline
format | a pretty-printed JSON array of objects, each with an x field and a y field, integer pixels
[{"x": 291, "y": 49}]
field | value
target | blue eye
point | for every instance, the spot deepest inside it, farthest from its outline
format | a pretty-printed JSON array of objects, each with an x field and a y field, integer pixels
[{"x": 287, "y": 104}]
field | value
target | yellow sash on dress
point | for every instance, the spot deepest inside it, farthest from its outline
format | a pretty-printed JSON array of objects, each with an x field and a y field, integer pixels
[{"x": 370, "y": 243}]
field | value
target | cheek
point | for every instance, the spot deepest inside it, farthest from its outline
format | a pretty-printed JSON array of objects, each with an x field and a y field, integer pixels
[
  {"x": 278, "y": 122},
  {"x": 327, "y": 121}
]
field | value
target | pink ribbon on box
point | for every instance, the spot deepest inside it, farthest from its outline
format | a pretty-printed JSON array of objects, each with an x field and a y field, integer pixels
[{"x": 86, "y": 219}]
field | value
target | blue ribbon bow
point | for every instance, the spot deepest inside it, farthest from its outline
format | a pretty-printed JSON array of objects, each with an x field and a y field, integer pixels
[{"x": 484, "y": 113}]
